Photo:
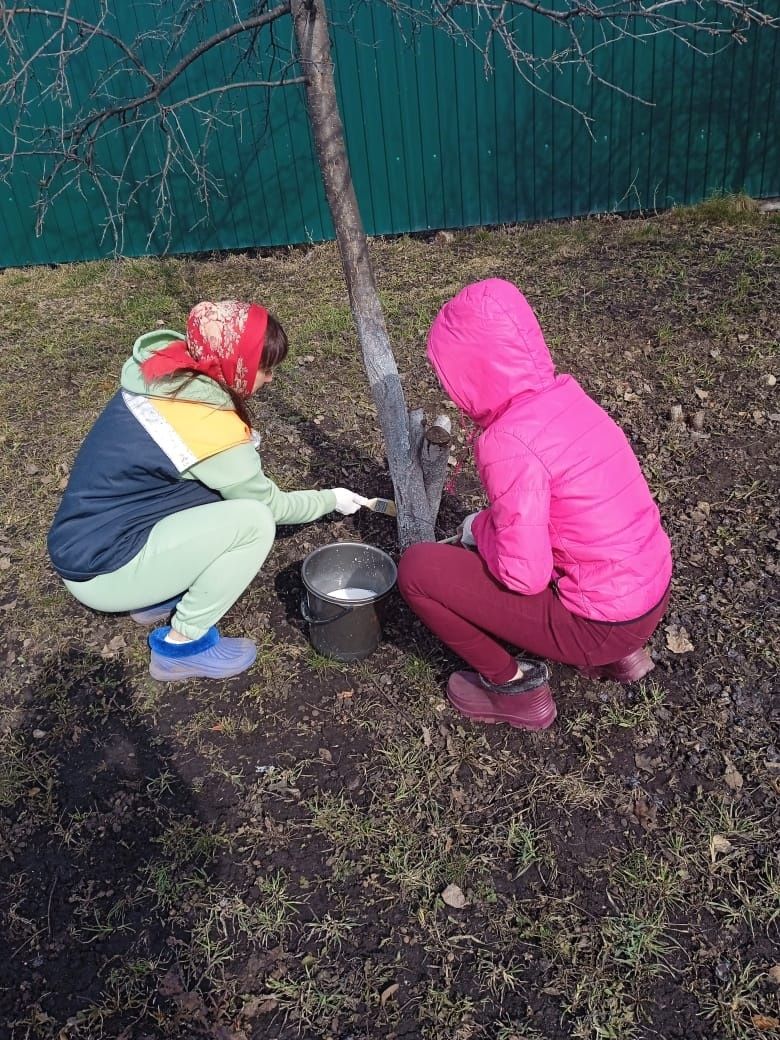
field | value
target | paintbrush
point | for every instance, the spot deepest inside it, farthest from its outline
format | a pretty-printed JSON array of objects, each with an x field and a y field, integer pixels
[{"x": 380, "y": 505}]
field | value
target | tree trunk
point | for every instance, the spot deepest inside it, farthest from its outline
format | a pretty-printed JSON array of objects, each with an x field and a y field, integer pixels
[{"x": 417, "y": 465}]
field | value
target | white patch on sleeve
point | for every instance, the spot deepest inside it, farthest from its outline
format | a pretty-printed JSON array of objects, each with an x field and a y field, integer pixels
[{"x": 160, "y": 430}]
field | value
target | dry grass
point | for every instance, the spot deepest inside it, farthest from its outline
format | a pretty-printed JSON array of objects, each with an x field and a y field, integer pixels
[{"x": 265, "y": 857}]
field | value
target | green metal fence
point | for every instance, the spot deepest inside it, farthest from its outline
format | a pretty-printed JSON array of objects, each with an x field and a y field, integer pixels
[{"x": 433, "y": 141}]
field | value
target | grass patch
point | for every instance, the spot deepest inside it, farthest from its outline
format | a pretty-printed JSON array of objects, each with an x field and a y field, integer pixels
[
  {"x": 726, "y": 208},
  {"x": 267, "y": 856}
]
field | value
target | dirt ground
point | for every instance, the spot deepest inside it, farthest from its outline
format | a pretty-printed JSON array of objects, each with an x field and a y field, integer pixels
[{"x": 266, "y": 857}]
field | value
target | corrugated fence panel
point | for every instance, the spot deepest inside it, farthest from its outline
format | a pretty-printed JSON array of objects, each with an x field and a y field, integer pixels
[
  {"x": 262, "y": 187},
  {"x": 434, "y": 140}
]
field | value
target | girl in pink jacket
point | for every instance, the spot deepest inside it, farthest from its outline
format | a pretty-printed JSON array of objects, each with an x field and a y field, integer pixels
[{"x": 571, "y": 563}]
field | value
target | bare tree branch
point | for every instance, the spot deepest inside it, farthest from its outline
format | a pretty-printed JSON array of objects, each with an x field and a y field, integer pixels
[
  {"x": 98, "y": 119},
  {"x": 87, "y": 28},
  {"x": 245, "y": 85},
  {"x": 484, "y": 24},
  {"x": 134, "y": 115}
]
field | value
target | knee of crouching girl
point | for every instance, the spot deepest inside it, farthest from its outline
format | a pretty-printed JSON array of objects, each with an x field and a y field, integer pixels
[
  {"x": 261, "y": 520},
  {"x": 412, "y": 567}
]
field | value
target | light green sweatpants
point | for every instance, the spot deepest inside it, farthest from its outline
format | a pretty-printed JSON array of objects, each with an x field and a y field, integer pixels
[{"x": 210, "y": 553}]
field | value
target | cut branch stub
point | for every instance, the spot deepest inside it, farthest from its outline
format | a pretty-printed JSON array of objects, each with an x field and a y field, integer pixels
[
  {"x": 440, "y": 430},
  {"x": 433, "y": 453}
]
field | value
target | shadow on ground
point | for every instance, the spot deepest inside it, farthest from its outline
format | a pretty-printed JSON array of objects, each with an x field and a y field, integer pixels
[{"x": 90, "y": 847}]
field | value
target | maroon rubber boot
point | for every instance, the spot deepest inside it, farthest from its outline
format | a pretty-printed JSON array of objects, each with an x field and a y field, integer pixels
[
  {"x": 627, "y": 670},
  {"x": 533, "y": 709}
]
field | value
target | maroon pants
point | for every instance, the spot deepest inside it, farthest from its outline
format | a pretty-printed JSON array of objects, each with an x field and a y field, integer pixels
[{"x": 454, "y": 593}]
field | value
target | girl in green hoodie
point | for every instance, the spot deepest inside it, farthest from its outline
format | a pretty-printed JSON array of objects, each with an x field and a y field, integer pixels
[{"x": 167, "y": 502}]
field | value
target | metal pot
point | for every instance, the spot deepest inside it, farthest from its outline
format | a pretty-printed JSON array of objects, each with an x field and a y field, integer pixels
[{"x": 346, "y": 585}]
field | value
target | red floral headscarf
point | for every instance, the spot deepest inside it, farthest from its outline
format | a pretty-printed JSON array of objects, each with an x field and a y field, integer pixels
[{"x": 224, "y": 341}]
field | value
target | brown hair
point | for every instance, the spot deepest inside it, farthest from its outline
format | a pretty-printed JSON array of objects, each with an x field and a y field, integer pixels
[{"x": 275, "y": 345}]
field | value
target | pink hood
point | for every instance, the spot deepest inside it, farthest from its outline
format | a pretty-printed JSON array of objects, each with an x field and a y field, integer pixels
[
  {"x": 487, "y": 348},
  {"x": 569, "y": 505}
]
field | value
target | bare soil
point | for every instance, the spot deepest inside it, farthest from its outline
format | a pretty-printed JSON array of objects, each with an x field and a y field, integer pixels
[{"x": 266, "y": 857}]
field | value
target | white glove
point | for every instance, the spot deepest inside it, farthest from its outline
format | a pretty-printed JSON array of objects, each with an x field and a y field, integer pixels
[
  {"x": 347, "y": 502},
  {"x": 466, "y": 537}
]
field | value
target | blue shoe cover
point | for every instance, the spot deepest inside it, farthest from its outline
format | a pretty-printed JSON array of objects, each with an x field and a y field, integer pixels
[
  {"x": 210, "y": 657},
  {"x": 159, "y": 612}
]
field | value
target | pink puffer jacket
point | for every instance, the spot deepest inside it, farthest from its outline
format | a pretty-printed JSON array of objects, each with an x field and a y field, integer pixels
[{"x": 568, "y": 501}]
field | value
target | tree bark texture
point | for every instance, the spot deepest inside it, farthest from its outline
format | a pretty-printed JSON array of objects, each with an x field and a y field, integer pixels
[{"x": 416, "y": 465}]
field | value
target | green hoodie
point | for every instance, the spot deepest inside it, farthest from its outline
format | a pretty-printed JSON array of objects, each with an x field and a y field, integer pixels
[{"x": 236, "y": 472}]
